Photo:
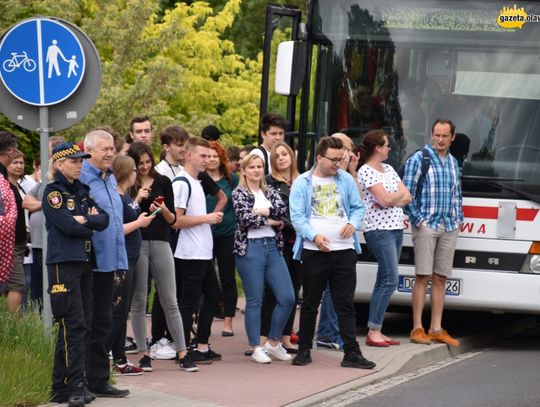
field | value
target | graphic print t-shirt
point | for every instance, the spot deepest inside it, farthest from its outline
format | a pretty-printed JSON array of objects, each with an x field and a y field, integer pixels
[{"x": 327, "y": 215}]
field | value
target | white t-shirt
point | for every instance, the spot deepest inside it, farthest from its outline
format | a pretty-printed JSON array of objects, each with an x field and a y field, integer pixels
[
  {"x": 258, "y": 152},
  {"x": 28, "y": 183},
  {"x": 375, "y": 217},
  {"x": 169, "y": 170},
  {"x": 194, "y": 243},
  {"x": 328, "y": 216},
  {"x": 263, "y": 231}
]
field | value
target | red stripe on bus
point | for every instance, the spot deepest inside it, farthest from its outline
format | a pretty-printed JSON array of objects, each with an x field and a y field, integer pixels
[
  {"x": 526, "y": 215},
  {"x": 481, "y": 212},
  {"x": 490, "y": 212}
]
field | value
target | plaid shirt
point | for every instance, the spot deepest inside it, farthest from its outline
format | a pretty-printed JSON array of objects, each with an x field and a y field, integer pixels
[{"x": 441, "y": 199}]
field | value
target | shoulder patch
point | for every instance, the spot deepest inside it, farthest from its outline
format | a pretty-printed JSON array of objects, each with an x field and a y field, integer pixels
[{"x": 55, "y": 199}]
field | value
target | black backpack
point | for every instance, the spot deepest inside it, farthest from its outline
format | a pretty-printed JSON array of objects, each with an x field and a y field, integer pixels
[
  {"x": 184, "y": 179},
  {"x": 426, "y": 162}
]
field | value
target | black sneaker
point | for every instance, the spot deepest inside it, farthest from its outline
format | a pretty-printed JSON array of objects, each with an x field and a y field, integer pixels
[
  {"x": 187, "y": 364},
  {"x": 213, "y": 356},
  {"x": 302, "y": 358},
  {"x": 145, "y": 363},
  {"x": 199, "y": 358},
  {"x": 110, "y": 391},
  {"x": 88, "y": 396},
  {"x": 131, "y": 348},
  {"x": 76, "y": 398},
  {"x": 356, "y": 360},
  {"x": 63, "y": 397}
]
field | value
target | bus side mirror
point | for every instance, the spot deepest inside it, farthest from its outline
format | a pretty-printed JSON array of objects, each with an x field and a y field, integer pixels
[{"x": 290, "y": 67}]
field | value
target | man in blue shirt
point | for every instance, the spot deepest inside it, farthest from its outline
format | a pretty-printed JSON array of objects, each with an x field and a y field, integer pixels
[
  {"x": 110, "y": 249},
  {"x": 435, "y": 218},
  {"x": 326, "y": 210}
]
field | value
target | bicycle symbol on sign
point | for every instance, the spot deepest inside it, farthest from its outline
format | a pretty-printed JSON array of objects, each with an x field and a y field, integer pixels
[{"x": 17, "y": 60}]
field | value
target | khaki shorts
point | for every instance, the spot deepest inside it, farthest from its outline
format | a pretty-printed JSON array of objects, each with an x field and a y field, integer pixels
[{"x": 434, "y": 250}]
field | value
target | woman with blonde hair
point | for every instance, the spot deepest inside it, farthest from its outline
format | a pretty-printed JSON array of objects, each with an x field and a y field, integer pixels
[
  {"x": 258, "y": 246},
  {"x": 125, "y": 172},
  {"x": 284, "y": 172}
]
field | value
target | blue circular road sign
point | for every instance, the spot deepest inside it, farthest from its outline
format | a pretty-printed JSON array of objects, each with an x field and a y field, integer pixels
[{"x": 41, "y": 62}]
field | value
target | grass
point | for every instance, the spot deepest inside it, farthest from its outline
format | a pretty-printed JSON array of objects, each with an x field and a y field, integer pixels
[{"x": 26, "y": 358}]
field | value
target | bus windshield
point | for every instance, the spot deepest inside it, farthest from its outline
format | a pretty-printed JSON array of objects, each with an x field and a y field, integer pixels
[{"x": 401, "y": 65}]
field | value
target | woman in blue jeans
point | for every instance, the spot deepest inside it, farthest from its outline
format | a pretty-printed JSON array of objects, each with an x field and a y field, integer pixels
[
  {"x": 258, "y": 246},
  {"x": 384, "y": 196}
]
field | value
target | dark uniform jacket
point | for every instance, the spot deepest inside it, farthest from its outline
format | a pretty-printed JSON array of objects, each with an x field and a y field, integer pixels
[{"x": 67, "y": 239}]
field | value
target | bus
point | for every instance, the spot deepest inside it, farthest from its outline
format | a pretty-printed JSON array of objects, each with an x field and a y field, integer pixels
[{"x": 398, "y": 65}]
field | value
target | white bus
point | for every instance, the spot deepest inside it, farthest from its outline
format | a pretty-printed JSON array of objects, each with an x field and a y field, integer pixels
[{"x": 398, "y": 65}]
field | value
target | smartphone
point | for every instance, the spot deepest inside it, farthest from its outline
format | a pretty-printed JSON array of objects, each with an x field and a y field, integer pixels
[
  {"x": 159, "y": 199},
  {"x": 158, "y": 210}
]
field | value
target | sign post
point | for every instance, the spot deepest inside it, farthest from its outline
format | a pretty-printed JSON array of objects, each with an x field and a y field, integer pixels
[{"x": 50, "y": 76}]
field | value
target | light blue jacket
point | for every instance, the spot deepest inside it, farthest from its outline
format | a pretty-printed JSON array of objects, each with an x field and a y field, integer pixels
[
  {"x": 109, "y": 244},
  {"x": 300, "y": 207}
]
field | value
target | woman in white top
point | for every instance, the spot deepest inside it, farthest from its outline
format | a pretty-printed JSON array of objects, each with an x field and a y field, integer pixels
[{"x": 384, "y": 195}]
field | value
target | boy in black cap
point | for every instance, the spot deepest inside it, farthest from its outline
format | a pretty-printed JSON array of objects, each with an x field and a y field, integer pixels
[{"x": 211, "y": 133}]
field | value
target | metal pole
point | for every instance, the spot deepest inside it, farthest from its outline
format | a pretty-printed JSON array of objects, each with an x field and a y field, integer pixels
[{"x": 44, "y": 154}]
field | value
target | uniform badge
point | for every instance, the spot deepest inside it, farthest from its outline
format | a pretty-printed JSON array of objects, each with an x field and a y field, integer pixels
[
  {"x": 55, "y": 199},
  {"x": 70, "y": 203}
]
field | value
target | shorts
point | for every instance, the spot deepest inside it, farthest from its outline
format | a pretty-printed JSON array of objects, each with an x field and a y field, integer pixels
[
  {"x": 17, "y": 281},
  {"x": 434, "y": 250}
]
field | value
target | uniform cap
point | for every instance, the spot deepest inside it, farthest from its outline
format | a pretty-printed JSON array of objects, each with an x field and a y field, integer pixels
[{"x": 68, "y": 150}]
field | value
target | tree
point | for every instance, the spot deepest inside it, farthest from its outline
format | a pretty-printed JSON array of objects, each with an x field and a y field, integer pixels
[{"x": 177, "y": 68}]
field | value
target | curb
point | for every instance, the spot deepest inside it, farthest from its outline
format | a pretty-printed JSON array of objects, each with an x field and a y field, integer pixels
[{"x": 418, "y": 356}]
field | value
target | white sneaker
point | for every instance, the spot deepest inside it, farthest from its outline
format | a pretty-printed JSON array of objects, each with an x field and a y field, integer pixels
[
  {"x": 163, "y": 350},
  {"x": 260, "y": 356},
  {"x": 277, "y": 351}
]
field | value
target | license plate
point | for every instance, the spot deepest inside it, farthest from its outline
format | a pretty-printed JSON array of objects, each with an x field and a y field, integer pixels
[{"x": 406, "y": 283}]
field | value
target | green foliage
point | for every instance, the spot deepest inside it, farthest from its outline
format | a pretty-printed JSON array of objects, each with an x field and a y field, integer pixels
[
  {"x": 176, "y": 66},
  {"x": 26, "y": 359}
]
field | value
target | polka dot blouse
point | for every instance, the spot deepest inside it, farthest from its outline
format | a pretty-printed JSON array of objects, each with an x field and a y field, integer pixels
[{"x": 377, "y": 217}]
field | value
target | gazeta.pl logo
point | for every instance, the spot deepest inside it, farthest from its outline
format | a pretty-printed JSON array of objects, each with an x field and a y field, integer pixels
[{"x": 515, "y": 17}]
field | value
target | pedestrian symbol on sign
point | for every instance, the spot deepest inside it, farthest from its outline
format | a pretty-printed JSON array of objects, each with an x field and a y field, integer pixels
[
  {"x": 52, "y": 58},
  {"x": 50, "y": 47}
]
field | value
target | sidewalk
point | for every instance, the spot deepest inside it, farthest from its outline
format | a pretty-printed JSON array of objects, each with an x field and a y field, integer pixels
[{"x": 237, "y": 381}]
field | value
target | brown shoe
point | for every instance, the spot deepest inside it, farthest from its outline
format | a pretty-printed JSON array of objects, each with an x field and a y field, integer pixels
[
  {"x": 419, "y": 336},
  {"x": 442, "y": 336}
]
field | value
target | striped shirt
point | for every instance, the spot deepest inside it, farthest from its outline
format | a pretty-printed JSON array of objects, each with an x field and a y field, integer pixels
[{"x": 441, "y": 200}]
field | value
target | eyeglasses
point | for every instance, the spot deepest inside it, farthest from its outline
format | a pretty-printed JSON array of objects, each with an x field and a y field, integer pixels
[
  {"x": 386, "y": 145},
  {"x": 334, "y": 160}
]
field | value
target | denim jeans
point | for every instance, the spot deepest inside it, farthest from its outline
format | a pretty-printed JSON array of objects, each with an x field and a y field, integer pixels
[
  {"x": 386, "y": 247},
  {"x": 263, "y": 262},
  {"x": 328, "y": 320}
]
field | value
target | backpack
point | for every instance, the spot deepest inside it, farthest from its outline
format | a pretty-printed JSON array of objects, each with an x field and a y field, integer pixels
[
  {"x": 426, "y": 162},
  {"x": 184, "y": 179}
]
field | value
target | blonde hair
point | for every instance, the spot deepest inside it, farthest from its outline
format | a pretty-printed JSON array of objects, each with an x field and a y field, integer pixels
[
  {"x": 51, "y": 171},
  {"x": 243, "y": 164},
  {"x": 123, "y": 167},
  {"x": 273, "y": 161}
]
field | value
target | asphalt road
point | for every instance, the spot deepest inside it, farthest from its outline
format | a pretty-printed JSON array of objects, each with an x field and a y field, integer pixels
[{"x": 505, "y": 375}]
